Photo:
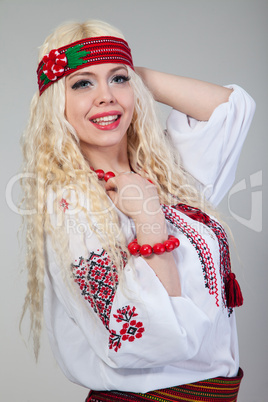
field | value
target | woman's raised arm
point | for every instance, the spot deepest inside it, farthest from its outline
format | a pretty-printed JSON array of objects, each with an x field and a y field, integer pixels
[{"x": 195, "y": 98}]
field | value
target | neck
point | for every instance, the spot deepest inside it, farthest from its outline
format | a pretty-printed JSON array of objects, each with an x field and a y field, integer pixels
[{"x": 113, "y": 159}]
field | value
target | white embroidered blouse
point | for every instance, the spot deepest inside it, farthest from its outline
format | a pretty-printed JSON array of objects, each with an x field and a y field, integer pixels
[{"x": 138, "y": 338}]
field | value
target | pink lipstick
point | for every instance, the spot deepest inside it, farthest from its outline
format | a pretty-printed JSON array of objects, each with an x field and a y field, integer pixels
[{"x": 107, "y": 120}]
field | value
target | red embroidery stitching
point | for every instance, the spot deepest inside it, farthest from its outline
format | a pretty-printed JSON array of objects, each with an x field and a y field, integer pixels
[
  {"x": 131, "y": 329},
  {"x": 98, "y": 280},
  {"x": 225, "y": 263},
  {"x": 201, "y": 247},
  {"x": 216, "y": 227},
  {"x": 64, "y": 205}
]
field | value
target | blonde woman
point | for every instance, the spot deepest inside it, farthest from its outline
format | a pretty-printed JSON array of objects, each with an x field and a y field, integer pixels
[{"x": 124, "y": 256}]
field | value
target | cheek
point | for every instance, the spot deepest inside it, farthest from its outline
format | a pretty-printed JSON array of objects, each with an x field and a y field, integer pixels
[
  {"x": 130, "y": 104},
  {"x": 132, "y": 110},
  {"x": 75, "y": 110},
  {"x": 125, "y": 97},
  {"x": 69, "y": 109}
]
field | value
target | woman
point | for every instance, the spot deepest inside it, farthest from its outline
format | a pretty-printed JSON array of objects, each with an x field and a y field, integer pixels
[{"x": 133, "y": 276}]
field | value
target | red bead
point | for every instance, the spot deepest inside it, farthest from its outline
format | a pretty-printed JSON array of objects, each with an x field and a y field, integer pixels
[
  {"x": 169, "y": 245},
  {"x": 175, "y": 241},
  {"x": 159, "y": 248},
  {"x": 146, "y": 250},
  {"x": 100, "y": 173},
  {"x": 108, "y": 175},
  {"x": 134, "y": 248}
]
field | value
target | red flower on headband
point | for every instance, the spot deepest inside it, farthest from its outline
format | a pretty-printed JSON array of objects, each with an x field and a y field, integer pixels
[{"x": 54, "y": 63}]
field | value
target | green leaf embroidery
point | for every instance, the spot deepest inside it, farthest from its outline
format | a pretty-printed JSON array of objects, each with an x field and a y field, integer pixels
[
  {"x": 74, "y": 59},
  {"x": 44, "y": 78},
  {"x": 74, "y": 56}
]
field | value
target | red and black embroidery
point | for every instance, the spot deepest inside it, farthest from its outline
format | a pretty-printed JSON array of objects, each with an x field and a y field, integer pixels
[
  {"x": 98, "y": 280},
  {"x": 216, "y": 227},
  {"x": 201, "y": 248},
  {"x": 131, "y": 328}
]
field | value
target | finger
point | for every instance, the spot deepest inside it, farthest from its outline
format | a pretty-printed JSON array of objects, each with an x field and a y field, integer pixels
[
  {"x": 113, "y": 195},
  {"x": 111, "y": 185}
]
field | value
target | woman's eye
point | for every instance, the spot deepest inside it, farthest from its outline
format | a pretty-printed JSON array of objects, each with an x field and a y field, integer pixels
[
  {"x": 81, "y": 84},
  {"x": 120, "y": 79}
]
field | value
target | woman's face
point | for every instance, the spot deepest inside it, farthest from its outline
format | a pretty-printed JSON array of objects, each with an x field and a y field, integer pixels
[{"x": 99, "y": 104}]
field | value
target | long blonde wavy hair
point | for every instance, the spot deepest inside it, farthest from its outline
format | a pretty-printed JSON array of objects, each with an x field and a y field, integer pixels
[{"x": 53, "y": 160}]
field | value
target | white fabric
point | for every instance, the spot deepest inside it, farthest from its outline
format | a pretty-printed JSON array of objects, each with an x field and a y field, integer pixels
[
  {"x": 185, "y": 339},
  {"x": 210, "y": 150}
]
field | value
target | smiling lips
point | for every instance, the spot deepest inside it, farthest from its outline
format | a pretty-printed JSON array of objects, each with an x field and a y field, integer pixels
[{"x": 106, "y": 121}]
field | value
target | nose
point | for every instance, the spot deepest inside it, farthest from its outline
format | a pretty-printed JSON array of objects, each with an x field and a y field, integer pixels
[{"x": 105, "y": 95}]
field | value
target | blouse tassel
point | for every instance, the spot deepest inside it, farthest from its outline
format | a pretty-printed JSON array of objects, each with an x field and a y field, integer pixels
[{"x": 234, "y": 295}]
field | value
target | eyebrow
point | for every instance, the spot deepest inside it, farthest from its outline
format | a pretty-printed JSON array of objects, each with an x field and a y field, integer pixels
[{"x": 88, "y": 73}]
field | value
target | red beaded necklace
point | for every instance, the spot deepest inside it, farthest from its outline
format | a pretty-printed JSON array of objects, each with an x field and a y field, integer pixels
[
  {"x": 105, "y": 176},
  {"x": 108, "y": 175},
  {"x": 102, "y": 175}
]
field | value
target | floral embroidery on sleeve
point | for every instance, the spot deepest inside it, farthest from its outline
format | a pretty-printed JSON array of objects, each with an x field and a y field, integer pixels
[
  {"x": 98, "y": 280},
  {"x": 64, "y": 205},
  {"x": 131, "y": 328}
]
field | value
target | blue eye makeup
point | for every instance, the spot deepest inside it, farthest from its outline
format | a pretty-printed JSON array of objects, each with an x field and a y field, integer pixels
[
  {"x": 120, "y": 79},
  {"x": 81, "y": 84},
  {"x": 85, "y": 83}
]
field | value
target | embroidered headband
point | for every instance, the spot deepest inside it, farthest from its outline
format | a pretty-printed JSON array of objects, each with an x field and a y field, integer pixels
[{"x": 97, "y": 50}]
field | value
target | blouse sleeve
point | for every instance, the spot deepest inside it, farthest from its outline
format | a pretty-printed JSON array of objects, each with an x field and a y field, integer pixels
[
  {"x": 136, "y": 324},
  {"x": 210, "y": 150},
  {"x": 148, "y": 328}
]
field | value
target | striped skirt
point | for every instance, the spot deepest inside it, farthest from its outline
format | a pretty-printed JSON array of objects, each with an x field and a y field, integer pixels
[{"x": 220, "y": 389}]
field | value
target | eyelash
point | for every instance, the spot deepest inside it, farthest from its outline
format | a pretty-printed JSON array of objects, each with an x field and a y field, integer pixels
[
  {"x": 81, "y": 84},
  {"x": 86, "y": 83},
  {"x": 123, "y": 79}
]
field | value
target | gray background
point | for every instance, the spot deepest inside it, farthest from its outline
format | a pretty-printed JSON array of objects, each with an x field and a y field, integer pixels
[{"x": 219, "y": 41}]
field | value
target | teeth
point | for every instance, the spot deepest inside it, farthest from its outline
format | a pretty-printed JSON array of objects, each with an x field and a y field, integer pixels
[{"x": 105, "y": 120}]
